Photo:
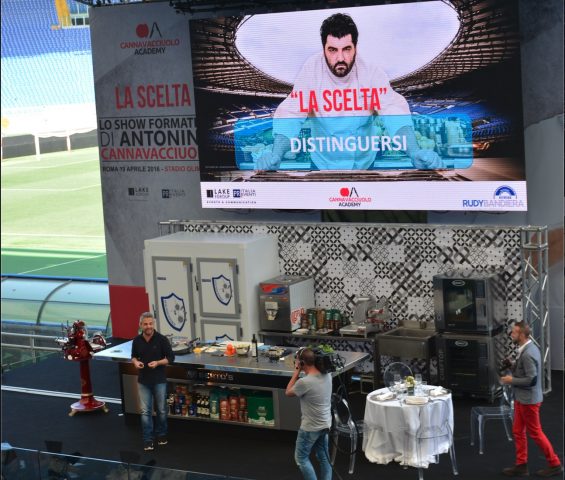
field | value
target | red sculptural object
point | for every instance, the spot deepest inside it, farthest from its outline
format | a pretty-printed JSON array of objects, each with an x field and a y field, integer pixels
[{"x": 78, "y": 348}]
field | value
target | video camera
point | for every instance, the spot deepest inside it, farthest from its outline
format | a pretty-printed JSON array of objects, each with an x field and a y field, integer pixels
[
  {"x": 505, "y": 367},
  {"x": 325, "y": 362}
]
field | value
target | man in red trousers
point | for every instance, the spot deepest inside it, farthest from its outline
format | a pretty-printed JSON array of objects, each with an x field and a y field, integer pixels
[{"x": 526, "y": 384}]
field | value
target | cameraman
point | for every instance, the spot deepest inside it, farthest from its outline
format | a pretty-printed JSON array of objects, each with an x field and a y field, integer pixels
[{"x": 314, "y": 391}]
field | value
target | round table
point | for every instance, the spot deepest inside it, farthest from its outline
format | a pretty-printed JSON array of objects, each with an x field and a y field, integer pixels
[{"x": 393, "y": 430}]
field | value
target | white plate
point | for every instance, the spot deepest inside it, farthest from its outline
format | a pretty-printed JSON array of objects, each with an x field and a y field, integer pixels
[
  {"x": 416, "y": 400},
  {"x": 438, "y": 392},
  {"x": 387, "y": 399},
  {"x": 375, "y": 397}
]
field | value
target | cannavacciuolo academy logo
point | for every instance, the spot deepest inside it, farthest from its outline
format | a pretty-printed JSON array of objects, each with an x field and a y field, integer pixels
[
  {"x": 503, "y": 197},
  {"x": 149, "y": 40},
  {"x": 349, "y": 197}
]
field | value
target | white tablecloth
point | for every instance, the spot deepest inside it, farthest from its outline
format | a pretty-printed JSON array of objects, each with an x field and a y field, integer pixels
[{"x": 391, "y": 429}]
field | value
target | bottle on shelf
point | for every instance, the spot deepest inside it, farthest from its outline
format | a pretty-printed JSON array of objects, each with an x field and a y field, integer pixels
[
  {"x": 224, "y": 409},
  {"x": 254, "y": 348},
  {"x": 214, "y": 405}
]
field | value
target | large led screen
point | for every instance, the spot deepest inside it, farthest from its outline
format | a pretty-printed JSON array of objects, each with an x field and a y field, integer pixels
[{"x": 396, "y": 107}]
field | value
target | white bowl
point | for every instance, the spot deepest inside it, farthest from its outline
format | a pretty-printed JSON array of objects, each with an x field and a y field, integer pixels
[{"x": 242, "y": 350}]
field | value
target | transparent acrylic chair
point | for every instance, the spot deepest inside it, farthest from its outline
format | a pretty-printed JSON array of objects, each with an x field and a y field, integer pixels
[
  {"x": 344, "y": 425},
  {"x": 434, "y": 437},
  {"x": 504, "y": 411},
  {"x": 396, "y": 368}
]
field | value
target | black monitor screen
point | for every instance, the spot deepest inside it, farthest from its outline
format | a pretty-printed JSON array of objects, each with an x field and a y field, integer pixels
[{"x": 396, "y": 107}]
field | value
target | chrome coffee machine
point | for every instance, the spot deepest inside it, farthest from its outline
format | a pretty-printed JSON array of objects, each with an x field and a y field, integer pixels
[{"x": 282, "y": 300}]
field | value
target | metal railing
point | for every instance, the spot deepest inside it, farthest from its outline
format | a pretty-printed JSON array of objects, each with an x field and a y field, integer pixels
[
  {"x": 32, "y": 345},
  {"x": 18, "y": 463},
  {"x": 34, "y": 350},
  {"x": 65, "y": 281}
]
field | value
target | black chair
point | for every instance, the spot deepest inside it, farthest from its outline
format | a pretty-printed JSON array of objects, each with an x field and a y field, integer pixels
[
  {"x": 344, "y": 425},
  {"x": 504, "y": 411}
]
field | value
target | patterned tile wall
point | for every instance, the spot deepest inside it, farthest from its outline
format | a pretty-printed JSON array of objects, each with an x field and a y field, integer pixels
[
  {"x": 392, "y": 261},
  {"x": 397, "y": 262}
]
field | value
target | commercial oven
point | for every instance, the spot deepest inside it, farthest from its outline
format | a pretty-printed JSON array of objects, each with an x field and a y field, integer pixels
[
  {"x": 469, "y": 302},
  {"x": 469, "y": 363}
]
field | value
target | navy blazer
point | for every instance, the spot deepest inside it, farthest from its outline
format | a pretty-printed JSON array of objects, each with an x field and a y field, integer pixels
[{"x": 526, "y": 376}]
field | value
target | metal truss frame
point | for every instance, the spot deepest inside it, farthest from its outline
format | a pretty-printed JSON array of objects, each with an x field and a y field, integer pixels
[{"x": 534, "y": 248}]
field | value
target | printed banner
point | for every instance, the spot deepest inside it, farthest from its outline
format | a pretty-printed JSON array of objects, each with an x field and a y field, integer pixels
[
  {"x": 351, "y": 195},
  {"x": 146, "y": 128}
]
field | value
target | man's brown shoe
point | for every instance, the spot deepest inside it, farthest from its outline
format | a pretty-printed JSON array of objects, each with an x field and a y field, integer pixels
[
  {"x": 550, "y": 471},
  {"x": 517, "y": 471}
]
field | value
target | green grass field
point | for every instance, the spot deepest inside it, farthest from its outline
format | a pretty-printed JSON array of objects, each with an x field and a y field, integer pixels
[{"x": 52, "y": 221}]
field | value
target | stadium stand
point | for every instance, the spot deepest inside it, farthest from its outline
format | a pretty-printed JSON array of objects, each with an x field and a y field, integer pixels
[
  {"x": 27, "y": 30},
  {"x": 42, "y": 65},
  {"x": 47, "y": 80}
]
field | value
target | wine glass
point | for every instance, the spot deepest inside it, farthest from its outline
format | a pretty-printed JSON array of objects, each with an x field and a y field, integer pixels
[
  {"x": 417, "y": 383},
  {"x": 393, "y": 387},
  {"x": 424, "y": 386},
  {"x": 401, "y": 388}
]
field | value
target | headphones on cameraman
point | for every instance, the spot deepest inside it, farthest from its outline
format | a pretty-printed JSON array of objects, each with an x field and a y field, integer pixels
[{"x": 299, "y": 355}]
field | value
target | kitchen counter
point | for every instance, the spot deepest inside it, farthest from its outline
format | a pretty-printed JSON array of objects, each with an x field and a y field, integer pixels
[
  {"x": 207, "y": 371},
  {"x": 242, "y": 364},
  {"x": 341, "y": 343}
]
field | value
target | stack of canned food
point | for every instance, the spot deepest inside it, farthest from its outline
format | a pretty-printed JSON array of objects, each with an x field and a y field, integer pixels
[{"x": 323, "y": 320}]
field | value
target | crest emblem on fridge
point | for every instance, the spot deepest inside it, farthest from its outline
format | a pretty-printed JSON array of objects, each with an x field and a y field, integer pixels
[
  {"x": 222, "y": 289},
  {"x": 174, "y": 310}
]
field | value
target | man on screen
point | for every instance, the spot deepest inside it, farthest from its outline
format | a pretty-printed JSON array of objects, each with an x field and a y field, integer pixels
[{"x": 342, "y": 95}]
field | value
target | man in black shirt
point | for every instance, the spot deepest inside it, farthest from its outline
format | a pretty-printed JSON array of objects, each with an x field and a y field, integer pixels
[{"x": 150, "y": 353}]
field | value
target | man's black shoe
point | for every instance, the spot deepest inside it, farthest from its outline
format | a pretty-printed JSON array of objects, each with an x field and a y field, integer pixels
[
  {"x": 517, "y": 471},
  {"x": 550, "y": 471},
  {"x": 148, "y": 446},
  {"x": 162, "y": 441}
]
